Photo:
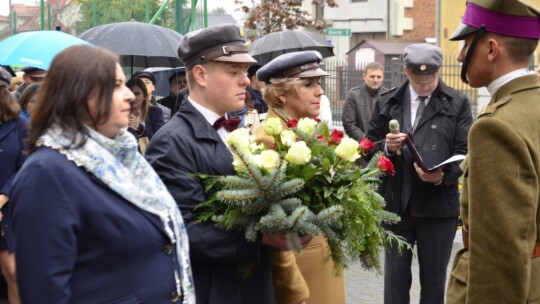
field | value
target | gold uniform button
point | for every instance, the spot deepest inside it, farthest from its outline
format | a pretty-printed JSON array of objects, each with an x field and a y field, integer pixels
[
  {"x": 168, "y": 249},
  {"x": 175, "y": 297}
]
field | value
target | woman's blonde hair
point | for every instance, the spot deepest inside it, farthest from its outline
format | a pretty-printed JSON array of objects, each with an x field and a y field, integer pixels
[{"x": 279, "y": 87}]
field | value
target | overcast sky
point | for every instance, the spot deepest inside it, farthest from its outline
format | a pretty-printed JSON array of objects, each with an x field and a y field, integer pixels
[{"x": 227, "y": 4}]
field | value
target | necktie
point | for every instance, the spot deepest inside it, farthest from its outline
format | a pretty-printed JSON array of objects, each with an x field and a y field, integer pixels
[
  {"x": 229, "y": 124},
  {"x": 420, "y": 110}
]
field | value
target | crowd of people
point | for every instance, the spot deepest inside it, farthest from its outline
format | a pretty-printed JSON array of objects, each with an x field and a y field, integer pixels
[{"x": 99, "y": 186}]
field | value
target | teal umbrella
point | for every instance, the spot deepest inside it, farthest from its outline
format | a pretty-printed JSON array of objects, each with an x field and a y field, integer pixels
[{"x": 35, "y": 48}]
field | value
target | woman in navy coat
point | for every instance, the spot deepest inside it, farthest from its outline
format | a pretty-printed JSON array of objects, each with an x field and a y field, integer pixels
[
  {"x": 93, "y": 223},
  {"x": 13, "y": 131},
  {"x": 145, "y": 119}
]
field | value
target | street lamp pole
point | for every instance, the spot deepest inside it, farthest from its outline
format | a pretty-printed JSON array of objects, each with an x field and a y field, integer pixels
[{"x": 11, "y": 19}]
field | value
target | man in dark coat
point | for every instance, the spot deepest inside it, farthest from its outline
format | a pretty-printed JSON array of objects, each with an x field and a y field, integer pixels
[
  {"x": 254, "y": 89},
  {"x": 216, "y": 59},
  {"x": 177, "y": 82},
  {"x": 360, "y": 101},
  {"x": 439, "y": 117}
]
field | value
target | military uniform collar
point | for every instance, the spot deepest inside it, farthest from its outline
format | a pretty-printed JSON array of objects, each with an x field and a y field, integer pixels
[{"x": 499, "y": 82}]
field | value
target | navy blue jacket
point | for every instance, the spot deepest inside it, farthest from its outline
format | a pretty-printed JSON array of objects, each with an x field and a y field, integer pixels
[
  {"x": 154, "y": 121},
  {"x": 13, "y": 134},
  {"x": 79, "y": 242},
  {"x": 189, "y": 144}
]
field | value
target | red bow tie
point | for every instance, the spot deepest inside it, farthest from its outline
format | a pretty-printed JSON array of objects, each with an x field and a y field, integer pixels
[{"x": 229, "y": 124}]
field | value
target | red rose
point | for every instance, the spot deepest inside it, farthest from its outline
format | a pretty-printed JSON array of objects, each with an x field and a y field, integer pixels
[
  {"x": 366, "y": 145},
  {"x": 321, "y": 138},
  {"x": 336, "y": 136},
  {"x": 293, "y": 123},
  {"x": 386, "y": 165}
]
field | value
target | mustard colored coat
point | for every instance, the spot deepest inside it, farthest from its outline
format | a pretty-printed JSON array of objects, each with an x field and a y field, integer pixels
[
  {"x": 500, "y": 199},
  {"x": 316, "y": 281}
]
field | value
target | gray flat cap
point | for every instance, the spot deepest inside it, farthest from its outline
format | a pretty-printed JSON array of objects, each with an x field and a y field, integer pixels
[
  {"x": 298, "y": 64},
  {"x": 423, "y": 58},
  {"x": 224, "y": 42}
]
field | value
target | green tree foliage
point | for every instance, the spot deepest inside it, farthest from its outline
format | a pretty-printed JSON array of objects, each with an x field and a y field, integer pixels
[
  {"x": 110, "y": 11},
  {"x": 267, "y": 16}
]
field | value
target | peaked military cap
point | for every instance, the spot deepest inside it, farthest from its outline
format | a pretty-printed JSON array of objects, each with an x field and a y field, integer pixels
[
  {"x": 180, "y": 72},
  {"x": 34, "y": 72},
  {"x": 298, "y": 64},
  {"x": 505, "y": 17},
  {"x": 145, "y": 74},
  {"x": 423, "y": 58},
  {"x": 224, "y": 42}
]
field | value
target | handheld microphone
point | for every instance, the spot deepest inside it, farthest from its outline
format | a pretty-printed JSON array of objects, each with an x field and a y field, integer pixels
[{"x": 393, "y": 125}]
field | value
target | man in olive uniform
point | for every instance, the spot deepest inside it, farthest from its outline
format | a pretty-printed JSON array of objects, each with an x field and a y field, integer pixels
[{"x": 500, "y": 260}]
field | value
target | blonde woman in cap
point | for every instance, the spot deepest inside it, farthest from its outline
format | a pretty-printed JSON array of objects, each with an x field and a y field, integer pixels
[
  {"x": 193, "y": 141},
  {"x": 500, "y": 200},
  {"x": 293, "y": 91}
]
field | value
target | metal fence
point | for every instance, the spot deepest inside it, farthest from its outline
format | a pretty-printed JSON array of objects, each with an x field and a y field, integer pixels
[{"x": 343, "y": 77}]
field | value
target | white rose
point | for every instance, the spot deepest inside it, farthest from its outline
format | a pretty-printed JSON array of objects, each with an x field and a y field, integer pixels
[
  {"x": 306, "y": 125},
  {"x": 239, "y": 139},
  {"x": 272, "y": 126},
  {"x": 348, "y": 150},
  {"x": 299, "y": 153},
  {"x": 269, "y": 160},
  {"x": 288, "y": 137}
]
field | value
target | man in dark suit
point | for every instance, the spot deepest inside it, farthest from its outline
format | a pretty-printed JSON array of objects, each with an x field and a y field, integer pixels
[
  {"x": 177, "y": 82},
  {"x": 216, "y": 60},
  {"x": 439, "y": 117}
]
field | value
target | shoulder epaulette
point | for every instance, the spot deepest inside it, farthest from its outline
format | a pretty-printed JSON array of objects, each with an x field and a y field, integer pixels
[{"x": 389, "y": 91}]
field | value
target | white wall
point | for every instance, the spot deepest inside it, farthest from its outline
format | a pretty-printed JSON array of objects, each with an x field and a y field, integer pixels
[{"x": 359, "y": 17}]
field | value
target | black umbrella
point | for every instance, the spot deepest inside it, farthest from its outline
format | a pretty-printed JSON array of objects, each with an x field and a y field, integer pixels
[
  {"x": 274, "y": 44},
  {"x": 139, "y": 44}
]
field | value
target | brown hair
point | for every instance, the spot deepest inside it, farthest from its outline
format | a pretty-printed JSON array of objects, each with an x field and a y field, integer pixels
[
  {"x": 249, "y": 101},
  {"x": 519, "y": 49},
  {"x": 77, "y": 74},
  {"x": 373, "y": 66},
  {"x": 28, "y": 93},
  {"x": 9, "y": 108},
  {"x": 137, "y": 82}
]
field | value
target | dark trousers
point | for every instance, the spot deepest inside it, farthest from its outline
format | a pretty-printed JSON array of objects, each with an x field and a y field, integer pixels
[{"x": 433, "y": 238}]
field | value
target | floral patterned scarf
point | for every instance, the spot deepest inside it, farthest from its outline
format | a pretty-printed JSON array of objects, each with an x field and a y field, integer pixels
[{"x": 117, "y": 163}]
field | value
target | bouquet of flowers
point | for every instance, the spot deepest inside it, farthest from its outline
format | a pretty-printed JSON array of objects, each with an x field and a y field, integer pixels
[{"x": 307, "y": 183}]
